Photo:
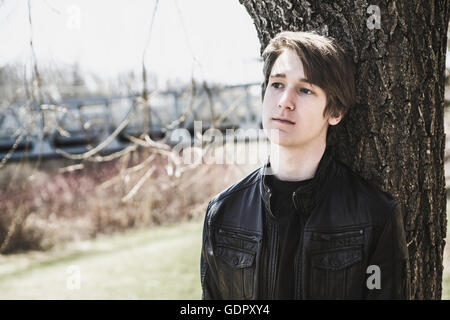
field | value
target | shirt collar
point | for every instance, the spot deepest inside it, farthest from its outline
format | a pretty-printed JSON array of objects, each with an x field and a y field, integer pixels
[{"x": 308, "y": 194}]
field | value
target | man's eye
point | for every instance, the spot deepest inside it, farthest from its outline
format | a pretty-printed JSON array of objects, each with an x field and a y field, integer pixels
[
  {"x": 306, "y": 91},
  {"x": 276, "y": 85}
]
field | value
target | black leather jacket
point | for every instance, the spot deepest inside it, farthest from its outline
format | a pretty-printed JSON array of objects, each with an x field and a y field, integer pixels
[{"x": 351, "y": 226}]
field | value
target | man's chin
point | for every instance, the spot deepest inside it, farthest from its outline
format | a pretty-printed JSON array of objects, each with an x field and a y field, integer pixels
[
  {"x": 278, "y": 137},
  {"x": 282, "y": 142}
]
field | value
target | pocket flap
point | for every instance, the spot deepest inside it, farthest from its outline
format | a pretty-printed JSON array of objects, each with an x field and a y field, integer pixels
[
  {"x": 235, "y": 258},
  {"x": 338, "y": 259}
]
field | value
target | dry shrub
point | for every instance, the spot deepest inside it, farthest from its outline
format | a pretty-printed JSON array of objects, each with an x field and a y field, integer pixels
[{"x": 40, "y": 208}]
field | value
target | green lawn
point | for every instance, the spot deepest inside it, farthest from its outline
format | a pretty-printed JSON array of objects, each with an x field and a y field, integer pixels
[
  {"x": 446, "y": 275},
  {"x": 158, "y": 263},
  {"x": 446, "y": 283}
]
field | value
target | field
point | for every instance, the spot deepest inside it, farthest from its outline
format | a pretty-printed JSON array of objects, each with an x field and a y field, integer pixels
[{"x": 158, "y": 263}]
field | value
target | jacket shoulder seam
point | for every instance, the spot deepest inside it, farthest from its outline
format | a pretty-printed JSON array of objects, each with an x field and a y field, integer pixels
[{"x": 229, "y": 193}]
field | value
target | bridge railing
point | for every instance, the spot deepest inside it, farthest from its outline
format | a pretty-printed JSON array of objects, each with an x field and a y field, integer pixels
[{"x": 78, "y": 125}]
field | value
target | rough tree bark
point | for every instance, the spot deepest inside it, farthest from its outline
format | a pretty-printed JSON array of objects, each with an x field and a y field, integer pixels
[{"x": 395, "y": 136}]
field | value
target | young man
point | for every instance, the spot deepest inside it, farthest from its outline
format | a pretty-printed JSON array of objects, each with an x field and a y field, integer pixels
[{"x": 304, "y": 226}]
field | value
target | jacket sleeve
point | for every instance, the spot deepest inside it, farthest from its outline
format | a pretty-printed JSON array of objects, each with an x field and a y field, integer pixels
[
  {"x": 208, "y": 270},
  {"x": 391, "y": 256}
]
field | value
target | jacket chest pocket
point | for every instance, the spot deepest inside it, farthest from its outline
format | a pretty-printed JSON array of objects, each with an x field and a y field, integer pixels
[
  {"x": 336, "y": 264},
  {"x": 236, "y": 262}
]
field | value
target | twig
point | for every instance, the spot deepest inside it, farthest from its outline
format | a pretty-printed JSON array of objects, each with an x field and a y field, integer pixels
[
  {"x": 147, "y": 120},
  {"x": 138, "y": 185},
  {"x": 97, "y": 148},
  {"x": 211, "y": 104},
  {"x": 71, "y": 168},
  {"x": 114, "y": 155},
  {"x": 126, "y": 172}
]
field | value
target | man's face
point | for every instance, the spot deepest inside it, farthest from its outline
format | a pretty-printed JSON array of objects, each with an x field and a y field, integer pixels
[{"x": 289, "y": 96}]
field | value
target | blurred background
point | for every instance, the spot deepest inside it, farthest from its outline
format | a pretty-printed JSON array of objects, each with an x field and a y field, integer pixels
[{"x": 95, "y": 96}]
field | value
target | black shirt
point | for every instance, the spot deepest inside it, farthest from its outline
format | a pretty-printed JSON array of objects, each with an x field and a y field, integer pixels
[{"x": 287, "y": 228}]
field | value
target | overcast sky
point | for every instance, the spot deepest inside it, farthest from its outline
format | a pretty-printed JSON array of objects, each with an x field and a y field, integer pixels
[{"x": 107, "y": 37}]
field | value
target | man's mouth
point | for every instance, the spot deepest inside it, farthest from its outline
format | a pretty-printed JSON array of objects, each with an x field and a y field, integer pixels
[{"x": 285, "y": 121}]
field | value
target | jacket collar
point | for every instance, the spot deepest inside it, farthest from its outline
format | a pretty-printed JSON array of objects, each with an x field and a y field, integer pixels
[{"x": 309, "y": 195}]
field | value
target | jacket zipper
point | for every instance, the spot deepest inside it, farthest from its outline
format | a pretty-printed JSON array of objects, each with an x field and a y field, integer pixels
[
  {"x": 274, "y": 261},
  {"x": 298, "y": 259},
  {"x": 294, "y": 198},
  {"x": 272, "y": 268},
  {"x": 297, "y": 272},
  {"x": 270, "y": 285}
]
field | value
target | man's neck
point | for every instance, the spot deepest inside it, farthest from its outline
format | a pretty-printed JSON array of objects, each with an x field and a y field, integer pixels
[{"x": 295, "y": 164}]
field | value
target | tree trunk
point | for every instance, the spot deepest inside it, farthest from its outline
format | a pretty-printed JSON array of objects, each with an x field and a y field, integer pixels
[{"x": 395, "y": 136}]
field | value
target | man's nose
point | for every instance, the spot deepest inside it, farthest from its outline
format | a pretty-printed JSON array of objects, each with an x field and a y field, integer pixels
[{"x": 287, "y": 99}]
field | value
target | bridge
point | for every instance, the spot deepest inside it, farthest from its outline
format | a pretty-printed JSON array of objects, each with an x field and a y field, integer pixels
[{"x": 77, "y": 125}]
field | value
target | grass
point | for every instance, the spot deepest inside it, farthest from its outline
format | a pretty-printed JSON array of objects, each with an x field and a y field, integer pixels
[
  {"x": 446, "y": 273},
  {"x": 157, "y": 263},
  {"x": 446, "y": 280}
]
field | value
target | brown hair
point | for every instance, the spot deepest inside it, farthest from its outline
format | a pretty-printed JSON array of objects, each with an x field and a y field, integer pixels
[{"x": 325, "y": 65}]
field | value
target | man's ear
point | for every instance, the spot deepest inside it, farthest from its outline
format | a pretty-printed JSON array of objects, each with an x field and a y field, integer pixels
[{"x": 332, "y": 121}]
